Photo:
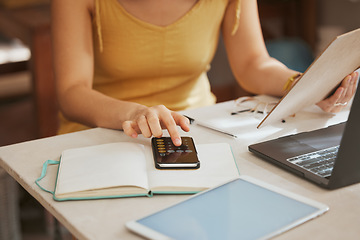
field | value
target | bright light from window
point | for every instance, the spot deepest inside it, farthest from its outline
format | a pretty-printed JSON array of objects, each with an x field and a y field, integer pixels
[{"x": 14, "y": 51}]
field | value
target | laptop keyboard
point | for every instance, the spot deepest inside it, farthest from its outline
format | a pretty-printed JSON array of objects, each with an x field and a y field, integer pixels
[{"x": 319, "y": 162}]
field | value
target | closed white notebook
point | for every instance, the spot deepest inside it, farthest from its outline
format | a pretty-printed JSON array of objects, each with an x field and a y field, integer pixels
[{"x": 220, "y": 117}]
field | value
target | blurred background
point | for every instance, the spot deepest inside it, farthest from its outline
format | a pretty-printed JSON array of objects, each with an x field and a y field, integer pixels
[{"x": 296, "y": 32}]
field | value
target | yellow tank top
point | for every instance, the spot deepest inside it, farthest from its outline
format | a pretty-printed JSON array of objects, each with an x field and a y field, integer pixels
[{"x": 151, "y": 65}]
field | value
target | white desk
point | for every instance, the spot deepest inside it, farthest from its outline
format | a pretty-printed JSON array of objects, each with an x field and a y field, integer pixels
[{"x": 104, "y": 219}]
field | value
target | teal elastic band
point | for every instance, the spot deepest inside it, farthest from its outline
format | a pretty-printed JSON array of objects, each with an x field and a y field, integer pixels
[{"x": 43, "y": 174}]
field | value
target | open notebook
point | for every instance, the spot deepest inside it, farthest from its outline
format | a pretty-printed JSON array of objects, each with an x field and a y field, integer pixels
[{"x": 126, "y": 169}]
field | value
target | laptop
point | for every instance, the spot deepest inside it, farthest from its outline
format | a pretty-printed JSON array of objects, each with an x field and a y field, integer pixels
[{"x": 329, "y": 157}]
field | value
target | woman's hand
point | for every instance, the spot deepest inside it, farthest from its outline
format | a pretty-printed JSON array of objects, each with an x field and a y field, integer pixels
[
  {"x": 343, "y": 94},
  {"x": 149, "y": 121}
]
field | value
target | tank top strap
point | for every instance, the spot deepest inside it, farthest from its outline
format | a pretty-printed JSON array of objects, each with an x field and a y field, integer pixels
[
  {"x": 98, "y": 24},
  {"x": 237, "y": 17}
]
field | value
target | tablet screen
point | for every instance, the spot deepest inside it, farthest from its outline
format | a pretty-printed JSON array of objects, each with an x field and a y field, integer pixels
[{"x": 236, "y": 210}]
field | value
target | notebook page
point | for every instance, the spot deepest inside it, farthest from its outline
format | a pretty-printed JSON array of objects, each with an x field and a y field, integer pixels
[{"x": 102, "y": 166}]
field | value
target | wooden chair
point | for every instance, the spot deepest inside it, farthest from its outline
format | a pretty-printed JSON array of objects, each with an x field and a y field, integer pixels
[{"x": 32, "y": 26}]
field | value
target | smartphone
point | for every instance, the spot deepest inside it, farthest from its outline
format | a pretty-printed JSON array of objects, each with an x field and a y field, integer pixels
[{"x": 169, "y": 156}]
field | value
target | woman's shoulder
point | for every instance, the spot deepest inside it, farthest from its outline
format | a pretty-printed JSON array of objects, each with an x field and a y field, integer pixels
[
  {"x": 232, "y": 1},
  {"x": 76, "y": 5}
]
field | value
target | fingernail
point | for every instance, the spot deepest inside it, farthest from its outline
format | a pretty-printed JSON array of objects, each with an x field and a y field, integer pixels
[{"x": 177, "y": 141}]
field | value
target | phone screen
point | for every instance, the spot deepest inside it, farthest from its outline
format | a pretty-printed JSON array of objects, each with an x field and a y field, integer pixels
[{"x": 169, "y": 156}]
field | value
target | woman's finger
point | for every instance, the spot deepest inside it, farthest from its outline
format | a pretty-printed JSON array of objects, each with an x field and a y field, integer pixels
[
  {"x": 144, "y": 126},
  {"x": 181, "y": 121},
  {"x": 154, "y": 124},
  {"x": 129, "y": 129}
]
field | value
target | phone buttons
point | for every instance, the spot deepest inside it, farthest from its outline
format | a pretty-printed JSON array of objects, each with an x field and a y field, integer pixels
[{"x": 166, "y": 147}]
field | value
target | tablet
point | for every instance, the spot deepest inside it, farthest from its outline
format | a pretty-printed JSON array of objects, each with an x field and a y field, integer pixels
[
  {"x": 243, "y": 208},
  {"x": 339, "y": 59}
]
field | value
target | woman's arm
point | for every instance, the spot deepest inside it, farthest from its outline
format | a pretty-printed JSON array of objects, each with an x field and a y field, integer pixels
[
  {"x": 73, "y": 64},
  {"x": 250, "y": 62},
  {"x": 255, "y": 70}
]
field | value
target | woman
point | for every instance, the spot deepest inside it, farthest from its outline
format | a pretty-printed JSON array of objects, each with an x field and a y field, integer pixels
[{"x": 131, "y": 64}]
